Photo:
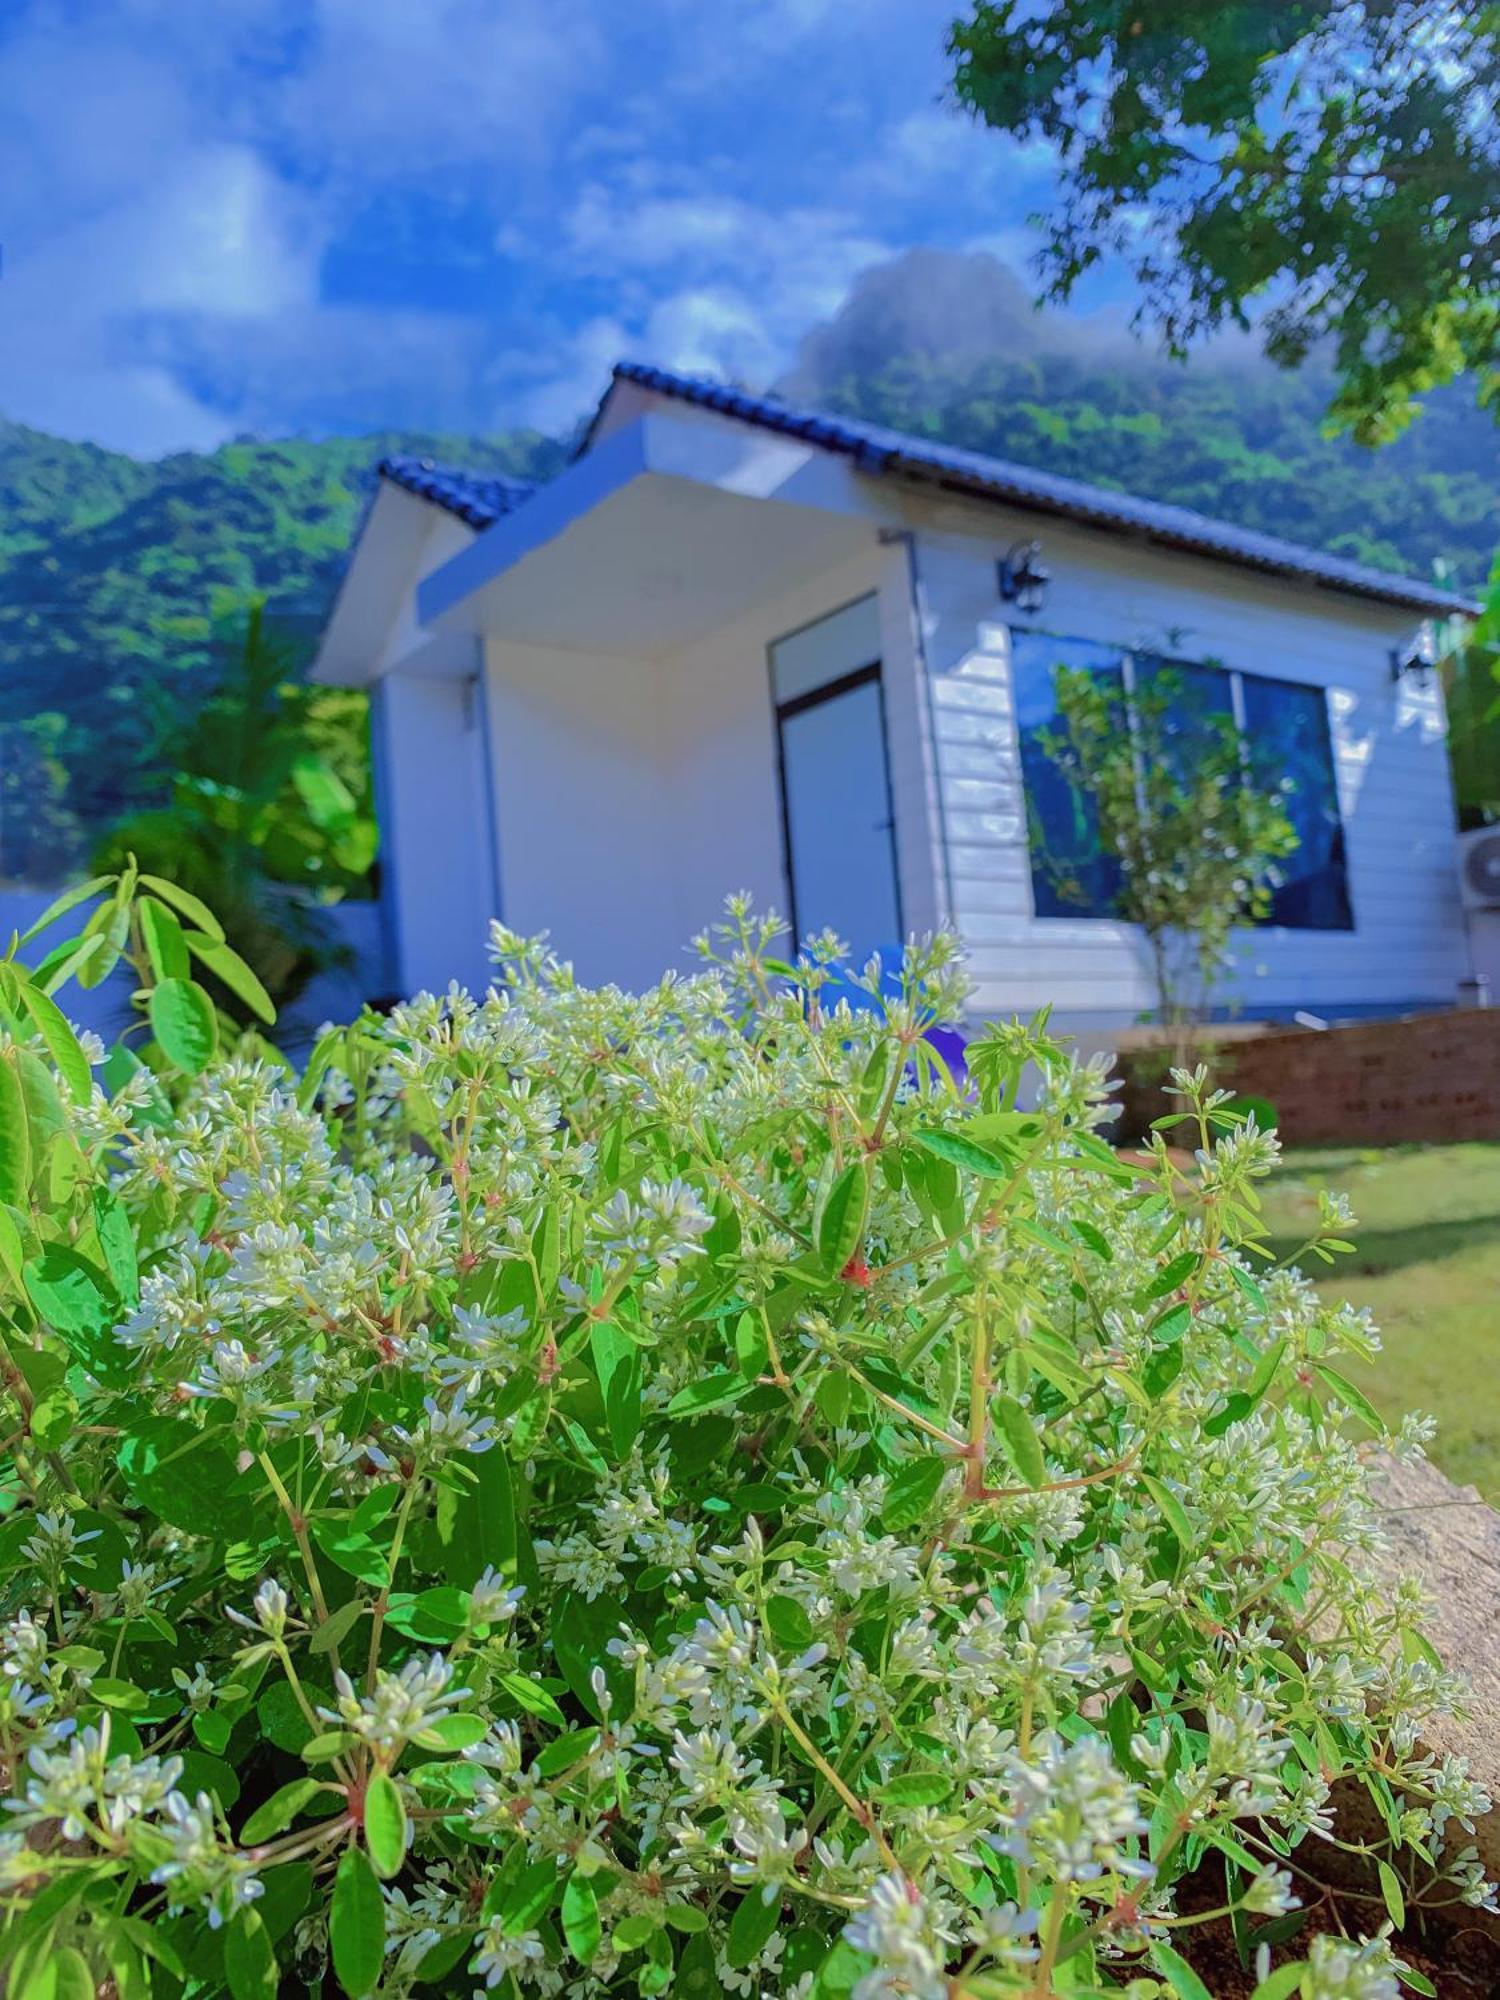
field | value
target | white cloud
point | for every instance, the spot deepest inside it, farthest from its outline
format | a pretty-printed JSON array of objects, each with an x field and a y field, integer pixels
[
  {"x": 186, "y": 186},
  {"x": 708, "y": 283},
  {"x": 398, "y": 88}
]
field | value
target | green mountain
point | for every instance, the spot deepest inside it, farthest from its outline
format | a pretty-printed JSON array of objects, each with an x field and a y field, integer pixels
[
  {"x": 949, "y": 346},
  {"x": 111, "y": 569},
  {"x": 111, "y": 572}
]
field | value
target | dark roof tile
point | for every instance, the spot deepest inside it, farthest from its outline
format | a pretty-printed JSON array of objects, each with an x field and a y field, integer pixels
[{"x": 478, "y": 498}]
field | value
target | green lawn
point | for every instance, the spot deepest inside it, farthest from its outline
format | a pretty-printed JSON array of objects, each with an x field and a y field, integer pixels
[{"x": 1427, "y": 1263}]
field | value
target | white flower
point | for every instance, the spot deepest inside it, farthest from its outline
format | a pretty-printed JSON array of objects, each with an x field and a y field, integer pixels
[
  {"x": 895, "y": 1929},
  {"x": 402, "y": 1705}
]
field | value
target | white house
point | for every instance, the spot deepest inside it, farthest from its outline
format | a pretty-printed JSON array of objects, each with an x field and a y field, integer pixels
[{"x": 741, "y": 645}]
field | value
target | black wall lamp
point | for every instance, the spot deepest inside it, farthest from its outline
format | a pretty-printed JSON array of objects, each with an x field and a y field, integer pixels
[
  {"x": 1416, "y": 655},
  {"x": 1024, "y": 576}
]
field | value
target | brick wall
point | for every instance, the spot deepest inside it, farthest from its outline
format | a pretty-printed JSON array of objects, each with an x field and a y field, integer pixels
[{"x": 1427, "y": 1077}]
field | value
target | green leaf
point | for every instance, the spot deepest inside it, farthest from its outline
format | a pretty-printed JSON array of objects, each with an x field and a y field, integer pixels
[
  {"x": 617, "y": 1363},
  {"x": 1097, "y": 1241},
  {"x": 917, "y": 1788},
  {"x": 356, "y": 1554},
  {"x": 186, "y": 905},
  {"x": 580, "y": 1918},
  {"x": 123, "y": 1696},
  {"x": 788, "y": 1624},
  {"x": 249, "y": 1960},
  {"x": 330, "y": 1744},
  {"x": 385, "y": 1825},
  {"x": 72, "y": 1295},
  {"x": 751, "y": 1351},
  {"x": 1282, "y": 1983},
  {"x": 64, "y": 962},
  {"x": 531, "y": 1696},
  {"x": 529, "y": 1897},
  {"x": 184, "y": 1023},
  {"x": 356, "y": 1924},
  {"x": 166, "y": 946},
  {"x": 1172, "y": 1507},
  {"x": 842, "y": 1223},
  {"x": 12, "y": 1249},
  {"x": 1356, "y": 1399},
  {"x": 60, "y": 1042},
  {"x": 1390, "y": 1888},
  {"x": 275, "y": 1814},
  {"x": 227, "y": 965},
  {"x": 63, "y": 1975},
  {"x": 1174, "y": 1274},
  {"x": 117, "y": 1244},
  {"x": 1246, "y": 1284},
  {"x": 337, "y": 1626},
  {"x": 188, "y": 1477},
  {"x": 15, "y": 1135},
  {"x": 751, "y": 1927},
  {"x": 1018, "y": 1430},
  {"x": 484, "y": 1534},
  {"x": 108, "y": 930},
  {"x": 1417, "y": 1981},
  {"x": 1178, "y": 1974},
  {"x": 961, "y": 1152},
  {"x": 1172, "y": 1322},
  {"x": 911, "y": 1491},
  {"x": 708, "y": 1394},
  {"x": 68, "y": 900}
]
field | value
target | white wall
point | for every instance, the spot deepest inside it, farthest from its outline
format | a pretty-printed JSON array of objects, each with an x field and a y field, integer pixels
[
  {"x": 1390, "y": 754},
  {"x": 633, "y": 795},
  {"x": 436, "y": 844},
  {"x": 581, "y": 805}
]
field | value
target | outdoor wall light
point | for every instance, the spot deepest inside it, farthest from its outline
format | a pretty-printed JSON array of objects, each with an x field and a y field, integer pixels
[
  {"x": 1416, "y": 655},
  {"x": 1024, "y": 576}
]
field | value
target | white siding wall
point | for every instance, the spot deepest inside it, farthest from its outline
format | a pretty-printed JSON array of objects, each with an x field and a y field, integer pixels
[
  {"x": 1390, "y": 754},
  {"x": 632, "y": 795}
]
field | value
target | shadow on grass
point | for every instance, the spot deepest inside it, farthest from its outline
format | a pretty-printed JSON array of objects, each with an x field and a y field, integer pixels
[{"x": 1377, "y": 1251}]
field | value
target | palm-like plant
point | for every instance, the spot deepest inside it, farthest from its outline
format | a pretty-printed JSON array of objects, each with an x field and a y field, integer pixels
[{"x": 271, "y": 815}]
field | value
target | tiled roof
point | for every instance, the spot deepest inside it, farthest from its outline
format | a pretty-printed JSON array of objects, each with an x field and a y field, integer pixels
[
  {"x": 875, "y": 449},
  {"x": 476, "y": 497}
]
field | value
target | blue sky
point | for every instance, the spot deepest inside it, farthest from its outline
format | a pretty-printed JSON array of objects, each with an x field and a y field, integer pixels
[{"x": 314, "y": 215}]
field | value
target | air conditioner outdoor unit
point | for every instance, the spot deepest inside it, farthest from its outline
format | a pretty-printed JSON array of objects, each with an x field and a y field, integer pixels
[{"x": 1479, "y": 868}]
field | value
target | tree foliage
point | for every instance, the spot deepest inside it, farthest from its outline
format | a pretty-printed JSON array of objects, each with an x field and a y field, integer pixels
[
  {"x": 1471, "y": 685},
  {"x": 1328, "y": 166},
  {"x": 116, "y": 573},
  {"x": 271, "y": 813},
  {"x": 1195, "y": 827}
]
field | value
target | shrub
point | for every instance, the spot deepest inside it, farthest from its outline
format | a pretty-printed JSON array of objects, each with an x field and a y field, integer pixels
[{"x": 582, "y": 1494}]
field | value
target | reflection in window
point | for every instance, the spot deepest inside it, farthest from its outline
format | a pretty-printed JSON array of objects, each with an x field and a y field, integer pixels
[
  {"x": 1287, "y": 741},
  {"x": 1071, "y": 875},
  {"x": 1286, "y": 728}
]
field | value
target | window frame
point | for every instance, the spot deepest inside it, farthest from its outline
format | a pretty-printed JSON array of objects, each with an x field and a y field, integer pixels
[{"x": 1237, "y": 677}]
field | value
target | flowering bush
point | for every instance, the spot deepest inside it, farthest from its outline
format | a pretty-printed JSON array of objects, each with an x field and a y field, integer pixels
[{"x": 585, "y": 1494}]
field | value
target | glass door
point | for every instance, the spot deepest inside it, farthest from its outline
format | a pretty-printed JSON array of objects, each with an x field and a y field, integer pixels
[{"x": 838, "y": 824}]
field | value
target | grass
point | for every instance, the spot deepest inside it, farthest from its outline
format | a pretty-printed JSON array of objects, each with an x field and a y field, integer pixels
[{"x": 1427, "y": 1264}]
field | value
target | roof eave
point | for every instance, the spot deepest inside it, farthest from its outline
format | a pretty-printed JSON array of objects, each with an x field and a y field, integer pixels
[{"x": 882, "y": 454}]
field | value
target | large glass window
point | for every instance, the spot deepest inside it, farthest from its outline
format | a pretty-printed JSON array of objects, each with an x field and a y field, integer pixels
[
  {"x": 1286, "y": 730},
  {"x": 1284, "y": 727},
  {"x": 1071, "y": 875}
]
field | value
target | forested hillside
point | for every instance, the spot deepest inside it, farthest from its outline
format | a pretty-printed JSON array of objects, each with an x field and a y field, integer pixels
[
  {"x": 111, "y": 568},
  {"x": 951, "y": 347}
]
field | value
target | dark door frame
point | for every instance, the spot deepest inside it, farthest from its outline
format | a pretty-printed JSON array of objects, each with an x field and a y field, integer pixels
[{"x": 797, "y": 705}]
